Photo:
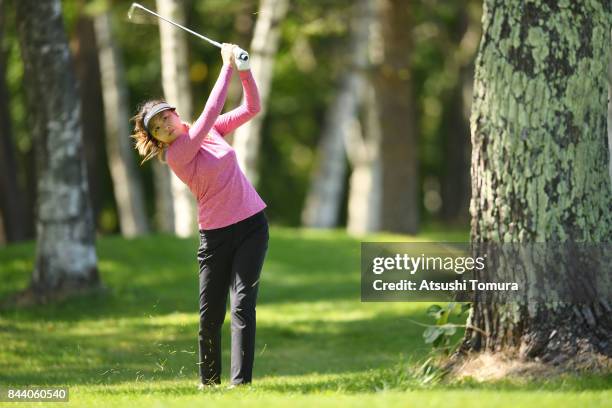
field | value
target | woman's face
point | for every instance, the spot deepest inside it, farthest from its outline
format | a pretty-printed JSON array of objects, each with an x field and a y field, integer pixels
[{"x": 166, "y": 126}]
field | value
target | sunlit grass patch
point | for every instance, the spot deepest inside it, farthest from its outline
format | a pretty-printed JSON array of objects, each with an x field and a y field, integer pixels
[{"x": 317, "y": 343}]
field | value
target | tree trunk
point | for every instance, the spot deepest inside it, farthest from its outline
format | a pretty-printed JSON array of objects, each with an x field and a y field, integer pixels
[
  {"x": 365, "y": 186},
  {"x": 455, "y": 185},
  {"x": 164, "y": 203},
  {"x": 2, "y": 231},
  {"x": 399, "y": 158},
  {"x": 326, "y": 189},
  {"x": 66, "y": 254},
  {"x": 177, "y": 91},
  {"x": 12, "y": 205},
  {"x": 539, "y": 164},
  {"x": 262, "y": 53},
  {"x": 92, "y": 116},
  {"x": 244, "y": 20},
  {"x": 126, "y": 184},
  {"x": 455, "y": 181},
  {"x": 610, "y": 117}
]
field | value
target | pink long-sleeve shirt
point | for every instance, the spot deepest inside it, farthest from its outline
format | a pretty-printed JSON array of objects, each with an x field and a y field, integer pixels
[{"x": 207, "y": 164}]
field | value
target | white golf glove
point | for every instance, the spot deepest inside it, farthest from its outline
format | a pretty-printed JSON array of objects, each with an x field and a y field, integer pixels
[{"x": 241, "y": 57}]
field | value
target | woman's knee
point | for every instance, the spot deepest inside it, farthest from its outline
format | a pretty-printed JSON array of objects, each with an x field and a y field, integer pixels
[
  {"x": 243, "y": 303},
  {"x": 211, "y": 320}
]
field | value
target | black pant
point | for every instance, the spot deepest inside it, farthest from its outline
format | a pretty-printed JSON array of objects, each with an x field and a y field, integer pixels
[{"x": 230, "y": 258}]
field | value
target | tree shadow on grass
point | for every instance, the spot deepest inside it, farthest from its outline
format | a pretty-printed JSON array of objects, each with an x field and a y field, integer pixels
[
  {"x": 316, "y": 355},
  {"x": 166, "y": 352},
  {"x": 159, "y": 275},
  {"x": 156, "y": 276}
]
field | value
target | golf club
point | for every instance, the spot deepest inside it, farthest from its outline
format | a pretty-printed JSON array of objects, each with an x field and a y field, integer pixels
[{"x": 133, "y": 15}]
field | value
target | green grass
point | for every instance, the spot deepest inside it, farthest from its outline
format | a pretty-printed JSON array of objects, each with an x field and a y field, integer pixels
[{"x": 317, "y": 344}]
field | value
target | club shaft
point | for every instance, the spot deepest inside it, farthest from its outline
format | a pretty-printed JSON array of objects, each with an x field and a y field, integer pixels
[{"x": 213, "y": 42}]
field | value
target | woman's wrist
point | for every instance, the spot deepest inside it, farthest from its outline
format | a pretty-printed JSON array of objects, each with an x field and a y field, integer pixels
[{"x": 245, "y": 74}]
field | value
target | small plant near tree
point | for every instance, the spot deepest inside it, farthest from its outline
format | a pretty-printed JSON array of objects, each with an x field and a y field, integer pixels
[{"x": 439, "y": 335}]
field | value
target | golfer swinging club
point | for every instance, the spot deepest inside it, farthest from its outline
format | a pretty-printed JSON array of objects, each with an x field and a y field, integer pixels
[{"x": 232, "y": 222}]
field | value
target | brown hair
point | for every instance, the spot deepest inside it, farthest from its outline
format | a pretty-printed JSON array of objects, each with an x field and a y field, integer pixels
[{"x": 145, "y": 143}]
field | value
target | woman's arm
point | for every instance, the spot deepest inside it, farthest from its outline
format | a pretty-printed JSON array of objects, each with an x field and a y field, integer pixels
[
  {"x": 249, "y": 107},
  {"x": 188, "y": 147}
]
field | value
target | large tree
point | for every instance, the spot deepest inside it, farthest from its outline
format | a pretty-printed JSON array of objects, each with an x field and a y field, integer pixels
[
  {"x": 65, "y": 254},
  {"x": 540, "y": 166}
]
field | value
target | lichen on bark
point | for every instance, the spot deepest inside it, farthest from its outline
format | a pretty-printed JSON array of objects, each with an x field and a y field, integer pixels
[{"x": 540, "y": 158}]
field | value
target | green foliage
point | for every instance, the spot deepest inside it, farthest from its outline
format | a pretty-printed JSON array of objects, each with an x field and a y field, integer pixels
[
  {"x": 14, "y": 80},
  {"x": 301, "y": 92},
  {"x": 299, "y": 98},
  {"x": 430, "y": 371},
  {"x": 440, "y": 334}
]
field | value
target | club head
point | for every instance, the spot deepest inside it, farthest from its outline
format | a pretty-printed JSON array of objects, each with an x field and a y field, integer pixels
[
  {"x": 130, "y": 13},
  {"x": 137, "y": 14}
]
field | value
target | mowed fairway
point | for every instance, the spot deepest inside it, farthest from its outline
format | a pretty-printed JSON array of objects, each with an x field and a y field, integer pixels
[{"x": 317, "y": 343}]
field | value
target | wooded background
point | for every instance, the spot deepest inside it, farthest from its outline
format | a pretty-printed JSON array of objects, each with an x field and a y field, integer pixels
[
  {"x": 365, "y": 119},
  {"x": 368, "y": 123}
]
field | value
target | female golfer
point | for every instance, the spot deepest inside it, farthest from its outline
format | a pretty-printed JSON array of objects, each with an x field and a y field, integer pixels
[{"x": 232, "y": 222}]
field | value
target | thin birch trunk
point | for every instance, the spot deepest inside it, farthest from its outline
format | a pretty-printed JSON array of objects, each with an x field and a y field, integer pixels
[
  {"x": 244, "y": 20},
  {"x": 177, "y": 91},
  {"x": 399, "y": 146},
  {"x": 164, "y": 202},
  {"x": 262, "y": 53},
  {"x": 323, "y": 200},
  {"x": 126, "y": 184},
  {"x": 87, "y": 68},
  {"x": 365, "y": 187}
]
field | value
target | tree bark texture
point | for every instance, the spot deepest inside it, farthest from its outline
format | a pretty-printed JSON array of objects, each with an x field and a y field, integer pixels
[
  {"x": 65, "y": 253},
  {"x": 610, "y": 116},
  {"x": 540, "y": 165}
]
